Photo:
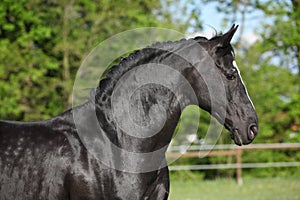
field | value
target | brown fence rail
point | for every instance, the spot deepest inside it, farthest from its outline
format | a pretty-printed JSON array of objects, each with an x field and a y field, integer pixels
[{"x": 229, "y": 150}]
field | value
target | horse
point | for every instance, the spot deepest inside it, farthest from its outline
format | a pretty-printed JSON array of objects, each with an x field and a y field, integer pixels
[{"x": 69, "y": 157}]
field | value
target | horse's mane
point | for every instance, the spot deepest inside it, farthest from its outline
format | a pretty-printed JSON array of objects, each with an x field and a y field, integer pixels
[{"x": 137, "y": 57}]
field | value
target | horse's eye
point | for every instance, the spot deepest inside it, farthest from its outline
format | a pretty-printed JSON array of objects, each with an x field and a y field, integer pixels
[{"x": 230, "y": 76}]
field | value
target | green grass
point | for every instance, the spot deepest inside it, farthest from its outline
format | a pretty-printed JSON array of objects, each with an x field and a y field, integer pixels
[{"x": 252, "y": 189}]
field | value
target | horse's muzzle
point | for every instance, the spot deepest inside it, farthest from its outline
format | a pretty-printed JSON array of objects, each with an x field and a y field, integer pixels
[{"x": 242, "y": 139}]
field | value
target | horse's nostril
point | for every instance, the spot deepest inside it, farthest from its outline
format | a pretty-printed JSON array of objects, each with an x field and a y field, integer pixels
[{"x": 252, "y": 132}]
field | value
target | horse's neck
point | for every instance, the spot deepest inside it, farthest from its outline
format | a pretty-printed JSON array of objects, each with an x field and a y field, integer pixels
[
  {"x": 145, "y": 124},
  {"x": 132, "y": 118},
  {"x": 139, "y": 105}
]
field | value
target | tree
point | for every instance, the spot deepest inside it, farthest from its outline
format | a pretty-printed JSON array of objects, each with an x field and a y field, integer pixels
[
  {"x": 24, "y": 64},
  {"x": 43, "y": 42}
]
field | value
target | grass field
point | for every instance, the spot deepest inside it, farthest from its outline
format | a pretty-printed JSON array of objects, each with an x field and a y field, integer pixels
[{"x": 252, "y": 189}]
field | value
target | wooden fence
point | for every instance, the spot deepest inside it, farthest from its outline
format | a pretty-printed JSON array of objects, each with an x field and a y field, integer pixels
[{"x": 228, "y": 150}]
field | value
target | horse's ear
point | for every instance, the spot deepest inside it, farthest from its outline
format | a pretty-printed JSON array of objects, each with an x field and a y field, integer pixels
[
  {"x": 229, "y": 35},
  {"x": 225, "y": 39}
]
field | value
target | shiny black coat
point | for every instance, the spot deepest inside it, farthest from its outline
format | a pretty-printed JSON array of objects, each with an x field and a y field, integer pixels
[{"x": 46, "y": 160}]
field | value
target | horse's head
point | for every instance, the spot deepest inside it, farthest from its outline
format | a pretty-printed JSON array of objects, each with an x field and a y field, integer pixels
[{"x": 233, "y": 106}]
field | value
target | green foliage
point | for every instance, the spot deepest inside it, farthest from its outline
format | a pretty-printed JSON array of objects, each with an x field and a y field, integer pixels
[
  {"x": 265, "y": 156},
  {"x": 187, "y": 176},
  {"x": 42, "y": 44},
  {"x": 24, "y": 65}
]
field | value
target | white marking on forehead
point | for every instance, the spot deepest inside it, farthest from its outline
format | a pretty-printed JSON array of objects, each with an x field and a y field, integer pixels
[
  {"x": 235, "y": 65},
  {"x": 232, "y": 53}
]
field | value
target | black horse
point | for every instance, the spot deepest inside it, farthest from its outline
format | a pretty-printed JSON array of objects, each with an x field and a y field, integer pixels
[{"x": 90, "y": 152}]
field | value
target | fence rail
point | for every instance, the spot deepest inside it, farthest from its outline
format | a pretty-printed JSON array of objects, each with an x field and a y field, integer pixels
[{"x": 229, "y": 150}]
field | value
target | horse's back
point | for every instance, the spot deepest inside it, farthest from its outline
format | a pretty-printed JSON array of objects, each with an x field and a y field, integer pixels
[{"x": 33, "y": 161}]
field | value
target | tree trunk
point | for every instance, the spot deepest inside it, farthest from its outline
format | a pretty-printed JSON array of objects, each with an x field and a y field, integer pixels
[{"x": 66, "y": 52}]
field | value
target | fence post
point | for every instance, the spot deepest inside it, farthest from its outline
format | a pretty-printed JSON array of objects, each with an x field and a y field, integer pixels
[{"x": 239, "y": 166}]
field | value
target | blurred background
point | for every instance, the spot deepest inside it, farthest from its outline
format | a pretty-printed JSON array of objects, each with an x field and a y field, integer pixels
[{"x": 43, "y": 42}]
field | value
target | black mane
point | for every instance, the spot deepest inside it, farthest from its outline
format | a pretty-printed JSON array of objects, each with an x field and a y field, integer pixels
[{"x": 138, "y": 57}]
